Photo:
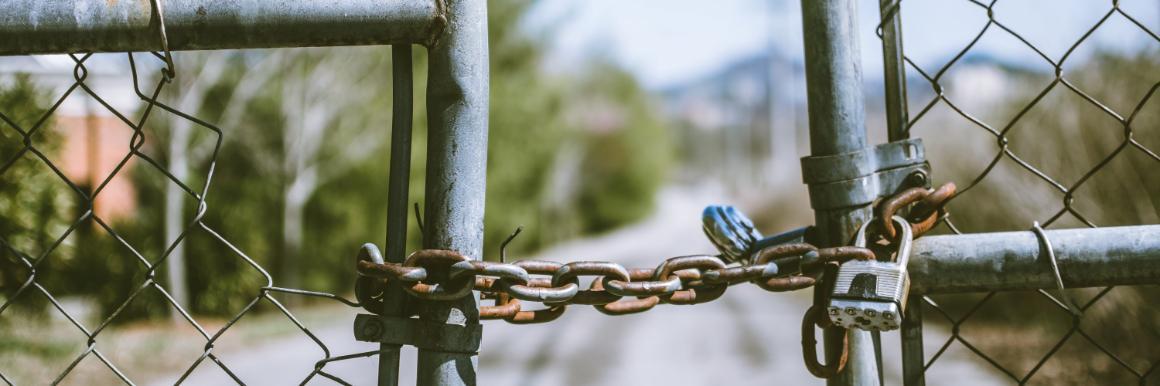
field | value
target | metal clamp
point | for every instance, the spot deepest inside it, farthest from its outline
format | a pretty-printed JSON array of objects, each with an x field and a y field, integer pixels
[
  {"x": 450, "y": 338},
  {"x": 1045, "y": 245},
  {"x": 170, "y": 70},
  {"x": 858, "y": 178}
]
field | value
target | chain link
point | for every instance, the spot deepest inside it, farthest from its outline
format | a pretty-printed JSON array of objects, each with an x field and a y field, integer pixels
[{"x": 432, "y": 274}]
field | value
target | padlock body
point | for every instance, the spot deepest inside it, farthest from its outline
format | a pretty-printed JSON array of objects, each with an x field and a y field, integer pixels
[{"x": 869, "y": 295}]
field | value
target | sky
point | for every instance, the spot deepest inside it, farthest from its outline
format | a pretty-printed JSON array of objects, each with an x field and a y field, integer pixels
[{"x": 669, "y": 42}]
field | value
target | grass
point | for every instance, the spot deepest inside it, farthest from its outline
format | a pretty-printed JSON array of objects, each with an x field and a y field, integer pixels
[{"x": 37, "y": 348}]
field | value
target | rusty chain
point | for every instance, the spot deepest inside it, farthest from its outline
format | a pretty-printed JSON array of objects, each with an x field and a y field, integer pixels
[
  {"x": 433, "y": 274},
  {"x": 439, "y": 275}
]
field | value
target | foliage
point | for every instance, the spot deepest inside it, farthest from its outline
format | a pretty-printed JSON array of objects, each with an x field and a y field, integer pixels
[
  {"x": 1068, "y": 138},
  {"x": 626, "y": 161},
  {"x": 33, "y": 200},
  {"x": 268, "y": 104}
]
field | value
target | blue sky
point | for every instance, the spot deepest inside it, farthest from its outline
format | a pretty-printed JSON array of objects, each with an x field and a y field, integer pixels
[{"x": 667, "y": 42}]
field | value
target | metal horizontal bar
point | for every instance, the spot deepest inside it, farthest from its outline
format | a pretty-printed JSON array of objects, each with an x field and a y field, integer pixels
[
  {"x": 1017, "y": 261},
  {"x": 64, "y": 26}
]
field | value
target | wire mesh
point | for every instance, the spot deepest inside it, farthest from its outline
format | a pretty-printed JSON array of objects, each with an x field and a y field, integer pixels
[
  {"x": 34, "y": 265},
  {"x": 1068, "y": 140}
]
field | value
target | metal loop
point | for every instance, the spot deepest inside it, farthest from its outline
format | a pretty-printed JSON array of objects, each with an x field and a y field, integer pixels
[
  {"x": 788, "y": 283},
  {"x": 532, "y": 293},
  {"x": 905, "y": 239},
  {"x": 693, "y": 292},
  {"x": 368, "y": 291},
  {"x": 623, "y": 306},
  {"x": 733, "y": 275},
  {"x": 895, "y": 204},
  {"x": 392, "y": 272},
  {"x": 537, "y": 316},
  {"x": 933, "y": 203},
  {"x": 1045, "y": 244},
  {"x": 570, "y": 272},
  {"x": 642, "y": 288},
  {"x": 790, "y": 259},
  {"x": 171, "y": 71},
  {"x": 810, "y": 346},
  {"x": 475, "y": 267},
  {"x": 843, "y": 254},
  {"x": 536, "y": 289},
  {"x": 441, "y": 259},
  {"x": 505, "y": 307}
]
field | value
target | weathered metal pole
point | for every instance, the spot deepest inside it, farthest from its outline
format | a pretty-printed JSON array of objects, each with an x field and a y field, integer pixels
[
  {"x": 1012, "y": 261},
  {"x": 898, "y": 129},
  {"x": 60, "y": 26},
  {"x": 457, "y": 109},
  {"x": 894, "y": 71},
  {"x": 397, "y": 189},
  {"x": 837, "y": 126}
]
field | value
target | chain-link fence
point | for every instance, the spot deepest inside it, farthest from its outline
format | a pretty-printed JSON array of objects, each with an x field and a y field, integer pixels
[
  {"x": 68, "y": 179},
  {"x": 28, "y": 272},
  {"x": 1062, "y": 133}
]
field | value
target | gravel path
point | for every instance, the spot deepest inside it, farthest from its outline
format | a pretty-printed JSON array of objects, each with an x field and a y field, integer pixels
[{"x": 748, "y": 337}]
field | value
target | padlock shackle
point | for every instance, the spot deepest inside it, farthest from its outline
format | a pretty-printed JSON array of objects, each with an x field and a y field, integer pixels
[{"x": 905, "y": 239}]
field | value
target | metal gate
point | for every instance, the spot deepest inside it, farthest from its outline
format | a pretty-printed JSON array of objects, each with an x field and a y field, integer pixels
[{"x": 846, "y": 178}]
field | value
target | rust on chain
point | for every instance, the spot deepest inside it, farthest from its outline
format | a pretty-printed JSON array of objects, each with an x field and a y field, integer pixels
[
  {"x": 570, "y": 272},
  {"x": 513, "y": 273},
  {"x": 539, "y": 290},
  {"x": 697, "y": 294},
  {"x": 783, "y": 250},
  {"x": 928, "y": 205},
  {"x": 391, "y": 271},
  {"x": 886, "y": 209},
  {"x": 537, "y": 316},
  {"x": 844, "y": 254},
  {"x": 534, "y": 291},
  {"x": 734, "y": 275},
  {"x": 927, "y": 212},
  {"x": 438, "y": 260},
  {"x": 642, "y": 288},
  {"x": 695, "y": 290},
  {"x": 793, "y": 258},
  {"x": 933, "y": 202},
  {"x": 443, "y": 275},
  {"x": 505, "y": 307},
  {"x": 788, "y": 283},
  {"x": 810, "y": 346},
  {"x": 922, "y": 226},
  {"x": 624, "y": 306}
]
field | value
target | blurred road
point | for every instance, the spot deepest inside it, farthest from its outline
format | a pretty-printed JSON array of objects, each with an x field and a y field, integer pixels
[{"x": 747, "y": 337}]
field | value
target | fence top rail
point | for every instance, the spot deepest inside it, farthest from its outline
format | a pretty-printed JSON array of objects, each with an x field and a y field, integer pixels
[
  {"x": 982, "y": 262},
  {"x": 68, "y": 26}
]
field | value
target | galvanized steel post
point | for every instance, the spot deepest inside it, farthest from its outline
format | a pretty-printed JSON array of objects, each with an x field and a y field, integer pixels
[
  {"x": 43, "y": 27},
  {"x": 837, "y": 126},
  {"x": 397, "y": 189},
  {"x": 457, "y": 111},
  {"x": 898, "y": 129}
]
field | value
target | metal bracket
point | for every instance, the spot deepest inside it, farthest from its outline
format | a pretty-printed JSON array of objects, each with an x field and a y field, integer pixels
[
  {"x": 858, "y": 178},
  {"x": 449, "y": 338}
]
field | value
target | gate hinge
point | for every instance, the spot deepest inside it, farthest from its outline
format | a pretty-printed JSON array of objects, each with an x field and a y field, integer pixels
[
  {"x": 858, "y": 178},
  {"x": 425, "y": 335}
]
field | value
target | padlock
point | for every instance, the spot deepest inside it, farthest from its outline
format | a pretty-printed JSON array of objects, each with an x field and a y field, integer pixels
[
  {"x": 730, "y": 231},
  {"x": 871, "y": 295},
  {"x": 737, "y": 238}
]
